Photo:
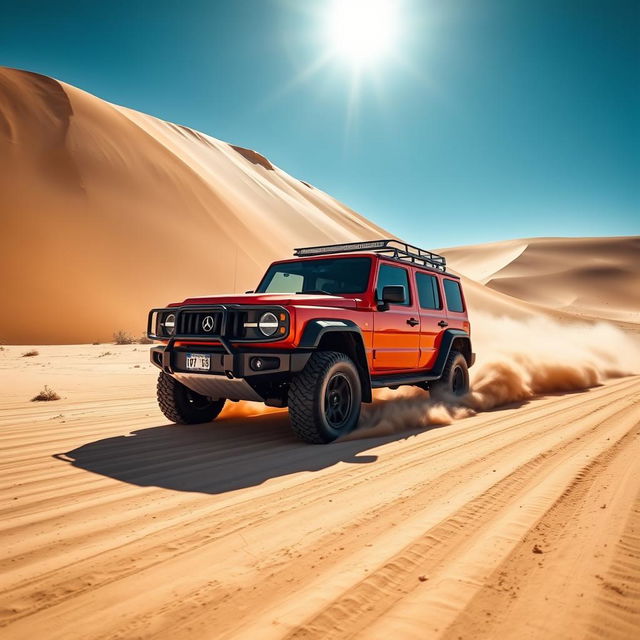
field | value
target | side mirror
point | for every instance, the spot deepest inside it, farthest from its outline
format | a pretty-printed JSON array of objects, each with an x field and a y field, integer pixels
[{"x": 392, "y": 294}]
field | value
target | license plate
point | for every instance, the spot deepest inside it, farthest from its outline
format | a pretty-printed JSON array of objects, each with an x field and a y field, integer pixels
[{"x": 198, "y": 362}]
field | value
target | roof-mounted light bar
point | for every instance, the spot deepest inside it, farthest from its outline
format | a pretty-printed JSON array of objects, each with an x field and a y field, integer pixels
[
  {"x": 340, "y": 248},
  {"x": 394, "y": 249}
]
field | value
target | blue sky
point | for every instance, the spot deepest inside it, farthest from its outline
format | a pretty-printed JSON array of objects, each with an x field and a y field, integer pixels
[{"x": 485, "y": 119}]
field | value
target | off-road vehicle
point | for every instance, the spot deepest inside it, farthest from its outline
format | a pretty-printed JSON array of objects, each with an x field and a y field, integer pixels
[{"x": 320, "y": 332}]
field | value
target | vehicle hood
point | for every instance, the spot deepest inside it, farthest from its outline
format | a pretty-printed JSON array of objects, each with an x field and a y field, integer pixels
[{"x": 284, "y": 299}]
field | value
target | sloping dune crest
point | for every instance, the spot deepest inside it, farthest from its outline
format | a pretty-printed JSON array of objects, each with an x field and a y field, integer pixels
[
  {"x": 594, "y": 277},
  {"x": 106, "y": 212}
]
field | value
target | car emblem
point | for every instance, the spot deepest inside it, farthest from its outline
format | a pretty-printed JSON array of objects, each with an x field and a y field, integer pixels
[{"x": 207, "y": 323}]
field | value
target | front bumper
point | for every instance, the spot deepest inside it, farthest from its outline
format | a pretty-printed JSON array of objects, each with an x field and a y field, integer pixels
[{"x": 234, "y": 375}]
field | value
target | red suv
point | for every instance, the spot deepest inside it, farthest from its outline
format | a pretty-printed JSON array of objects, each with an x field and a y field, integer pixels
[{"x": 317, "y": 335}]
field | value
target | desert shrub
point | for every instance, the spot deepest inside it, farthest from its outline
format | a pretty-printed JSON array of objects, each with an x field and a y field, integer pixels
[
  {"x": 46, "y": 395},
  {"x": 29, "y": 354},
  {"x": 122, "y": 337},
  {"x": 105, "y": 353},
  {"x": 144, "y": 340}
]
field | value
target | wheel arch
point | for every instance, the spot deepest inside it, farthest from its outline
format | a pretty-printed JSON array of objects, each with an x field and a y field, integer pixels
[
  {"x": 344, "y": 336},
  {"x": 454, "y": 340},
  {"x": 463, "y": 345}
]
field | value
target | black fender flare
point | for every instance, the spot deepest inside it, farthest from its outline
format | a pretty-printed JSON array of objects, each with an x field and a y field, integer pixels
[
  {"x": 445, "y": 349},
  {"x": 315, "y": 329},
  {"x": 320, "y": 327}
]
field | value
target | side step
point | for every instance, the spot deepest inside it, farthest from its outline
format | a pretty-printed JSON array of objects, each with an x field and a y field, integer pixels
[{"x": 378, "y": 382}]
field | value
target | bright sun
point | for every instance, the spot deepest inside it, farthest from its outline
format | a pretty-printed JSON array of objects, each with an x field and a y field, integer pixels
[{"x": 362, "y": 31}]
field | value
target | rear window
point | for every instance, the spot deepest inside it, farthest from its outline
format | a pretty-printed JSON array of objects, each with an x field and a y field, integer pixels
[
  {"x": 453, "y": 295},
  {"x": 428, "y": 292}
]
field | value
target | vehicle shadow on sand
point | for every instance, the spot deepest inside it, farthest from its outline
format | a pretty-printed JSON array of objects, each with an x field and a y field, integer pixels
[{"x": 214, "y": 458}]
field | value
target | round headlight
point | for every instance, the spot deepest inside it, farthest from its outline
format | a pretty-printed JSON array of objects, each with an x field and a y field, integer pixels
[
  {"x": 169, "y": 323},
  {"x": 268, "y": 324}
]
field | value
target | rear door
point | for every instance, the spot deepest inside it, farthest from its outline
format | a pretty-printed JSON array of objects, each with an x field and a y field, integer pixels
[
  {"x": 432, "y": 317},
  {"x": 396, "y": 335}
]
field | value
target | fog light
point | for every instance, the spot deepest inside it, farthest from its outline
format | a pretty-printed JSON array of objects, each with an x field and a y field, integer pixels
[{"x": 264, "y": 364}]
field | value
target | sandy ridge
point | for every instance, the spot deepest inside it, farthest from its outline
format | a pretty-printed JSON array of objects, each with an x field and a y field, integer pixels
[
  {"x": 44, "y": 504},
  {"x": 459, "y": 521},
  {"x": 400, "y": 575},
  {"x": 564, "y": 574}
]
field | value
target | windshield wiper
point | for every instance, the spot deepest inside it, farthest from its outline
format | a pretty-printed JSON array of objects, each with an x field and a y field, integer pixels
[{"x": 317, "y": 291}]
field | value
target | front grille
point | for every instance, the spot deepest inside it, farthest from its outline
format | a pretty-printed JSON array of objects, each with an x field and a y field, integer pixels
[
  {"x": 200, "y": 323},
  {"x": 210, "y": 323}
]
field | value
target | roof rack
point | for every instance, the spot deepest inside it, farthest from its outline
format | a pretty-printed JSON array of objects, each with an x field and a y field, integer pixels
[{"x": 394, "y": 249}]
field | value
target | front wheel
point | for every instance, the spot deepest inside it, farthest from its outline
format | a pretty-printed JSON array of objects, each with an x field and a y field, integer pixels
[
  {"x": 325, "y": 397},
  {"x": 455, "y": 378},
  {"x": 183, "y": 406}
]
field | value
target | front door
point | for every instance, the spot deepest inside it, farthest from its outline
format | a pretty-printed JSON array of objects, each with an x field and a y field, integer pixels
[{"x": 396, "y": 335}]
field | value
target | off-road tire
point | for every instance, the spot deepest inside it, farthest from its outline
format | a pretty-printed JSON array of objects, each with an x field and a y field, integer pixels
[
  {"x": 454, "y": 381},
  {"x": 183, "y": 406},
  {"x": 308, "y": 397}
]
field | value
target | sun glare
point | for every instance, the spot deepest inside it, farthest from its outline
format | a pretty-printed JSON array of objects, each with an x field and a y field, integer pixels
[{"x": 361, "y": 31}]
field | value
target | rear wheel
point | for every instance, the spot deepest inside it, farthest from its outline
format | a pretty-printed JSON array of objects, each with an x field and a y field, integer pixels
[
  {"x": 183, "y": 406},
  {"x": 325, "y": 397},
  {"x": 455, "y": 378}
]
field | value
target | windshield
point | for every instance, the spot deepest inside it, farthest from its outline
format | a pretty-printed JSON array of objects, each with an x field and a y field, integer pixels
[{"x": 331, "y": 275}]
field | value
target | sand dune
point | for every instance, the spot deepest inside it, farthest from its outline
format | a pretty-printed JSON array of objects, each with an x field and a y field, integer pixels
[
  {"x": 595, "y": 277},
  {"x": 106, "y": 212}
]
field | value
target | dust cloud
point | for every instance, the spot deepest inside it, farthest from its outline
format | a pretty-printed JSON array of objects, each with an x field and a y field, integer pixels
[
  {"x": 245, "y": 409},
  {"x": 516, "y": 360}
]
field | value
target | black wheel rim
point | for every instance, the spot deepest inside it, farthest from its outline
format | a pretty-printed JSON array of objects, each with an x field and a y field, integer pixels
[
  {"x": 338, "y": 400},
  {"x": 458, "y": 381}
]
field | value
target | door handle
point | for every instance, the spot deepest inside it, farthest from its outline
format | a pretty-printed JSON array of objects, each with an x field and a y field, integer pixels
[
  {"x": 413, "y": 322},
  {"x": 442, "y": 323}
]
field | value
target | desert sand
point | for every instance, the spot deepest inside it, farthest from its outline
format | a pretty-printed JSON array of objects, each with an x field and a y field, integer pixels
[
  {"x": 514, "y": 514},
  {"x": 522, "y": 521}
]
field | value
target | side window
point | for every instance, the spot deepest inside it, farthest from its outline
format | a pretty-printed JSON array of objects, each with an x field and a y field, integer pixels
[
  {"x": 453, "y": 295},
  {"x": 428, "y": 292},
  {"x": 389, "y": 275}
]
